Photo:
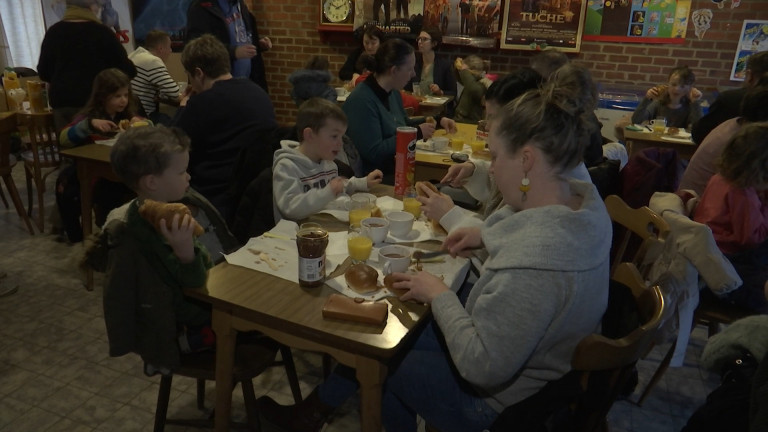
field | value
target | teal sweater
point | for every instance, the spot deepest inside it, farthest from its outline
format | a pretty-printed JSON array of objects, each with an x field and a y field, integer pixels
[{"x": 373, "y": 126}]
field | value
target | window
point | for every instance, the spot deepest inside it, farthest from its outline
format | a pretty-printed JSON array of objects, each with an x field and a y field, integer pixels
[{"x": 23, "y": 29}]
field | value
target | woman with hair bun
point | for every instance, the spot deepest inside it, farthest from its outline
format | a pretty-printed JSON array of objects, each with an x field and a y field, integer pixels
[
  {"x": 543, "y": 287},
  {"x": 375, "y": 108}
]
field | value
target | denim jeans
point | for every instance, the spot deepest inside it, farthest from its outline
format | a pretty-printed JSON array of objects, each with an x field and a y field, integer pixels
[{"x": 424, "y": 383}]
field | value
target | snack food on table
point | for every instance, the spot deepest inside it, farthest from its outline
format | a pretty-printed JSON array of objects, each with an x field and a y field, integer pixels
[
  {"x": 673, "y": 131},
  {"x": 362, "y": 278},
  {"x": 376, "y": 211},
  {"x": 153, "y": 211},
  {"x": 430, "y": 120},
  {"x": 434, "y": 224},
  {"x": 124, "y": 124}
]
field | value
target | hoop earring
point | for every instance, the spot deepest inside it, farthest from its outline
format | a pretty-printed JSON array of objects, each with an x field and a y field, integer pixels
[{"x": 525, "y": 186}]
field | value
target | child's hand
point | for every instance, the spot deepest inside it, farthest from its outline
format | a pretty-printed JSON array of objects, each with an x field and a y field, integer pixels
[
  {"x": 102, "y": 125},
  {"x": 695, "y": 94},
  {"x": 374, "y": 177},
  {"x": 337, "y": 185},
  {"x": 180, "y": 236},
  {"x": 654, "y": 93}
]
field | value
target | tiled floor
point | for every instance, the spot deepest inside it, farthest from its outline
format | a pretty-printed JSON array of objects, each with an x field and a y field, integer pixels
[{"x": 56, "y": 375}]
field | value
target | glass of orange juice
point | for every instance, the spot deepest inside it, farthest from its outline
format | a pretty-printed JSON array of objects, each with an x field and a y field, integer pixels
[
  {"x": 359, "y": 208},
  {"x": 359, "y": 246},
  {"x": 457, "y": 144},
  {"x": 411, "y": 204}
]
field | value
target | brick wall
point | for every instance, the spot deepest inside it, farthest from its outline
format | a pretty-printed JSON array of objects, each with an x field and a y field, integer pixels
[{"x": 292, "y": 26}]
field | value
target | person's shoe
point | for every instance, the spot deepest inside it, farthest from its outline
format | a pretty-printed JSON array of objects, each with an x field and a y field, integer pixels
[{"x": 308, "y": 416}]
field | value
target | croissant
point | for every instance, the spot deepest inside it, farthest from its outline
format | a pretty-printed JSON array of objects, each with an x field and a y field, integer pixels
[{"x": 153, "y": 211}]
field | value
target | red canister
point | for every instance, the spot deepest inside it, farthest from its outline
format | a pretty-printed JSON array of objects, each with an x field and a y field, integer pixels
[{"x": 405, "y": 159}]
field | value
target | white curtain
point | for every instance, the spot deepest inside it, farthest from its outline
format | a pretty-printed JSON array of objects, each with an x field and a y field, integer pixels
[{"x": 22, "y": 22}]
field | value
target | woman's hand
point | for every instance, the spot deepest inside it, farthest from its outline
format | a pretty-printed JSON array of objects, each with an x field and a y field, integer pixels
[
  {"x": 448, "y": 124},
  {"x": 374, "y": 178},
  {"x": 422, "y": 286},
  {"x": 434, "y": 205},
  {"x": 427, "y": 130},
  {"x": 435, "y": 89},
  {"x": 180, "y": 236},
  {"x": 458, "y": 173},
  {"x": 461, "y": 241},
  {"x": 103, "y": 125}
]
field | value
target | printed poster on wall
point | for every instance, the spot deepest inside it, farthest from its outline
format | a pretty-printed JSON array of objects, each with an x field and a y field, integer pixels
[
  {"x": 536, "y": 25},
  {"x": 754, "y": 38},
  {"x": 115, "y": 14},
  {"x": 641, "y": 21},
  {"x": 392, "y": 16}
]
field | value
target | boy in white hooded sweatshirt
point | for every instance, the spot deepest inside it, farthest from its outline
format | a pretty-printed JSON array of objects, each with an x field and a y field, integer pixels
[{"x": 304, "y": 177}]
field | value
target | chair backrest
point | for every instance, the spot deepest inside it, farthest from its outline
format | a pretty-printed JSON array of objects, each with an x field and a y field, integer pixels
[
  {"x": 606, "y": 364},
  {"x": 7, "y": 126},
  {"x": 43, "y": 139},
  {"x": 638, "y": 235}
]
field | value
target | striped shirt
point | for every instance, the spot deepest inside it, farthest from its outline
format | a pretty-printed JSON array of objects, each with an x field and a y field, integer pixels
[{"x": 152, "y": 79}]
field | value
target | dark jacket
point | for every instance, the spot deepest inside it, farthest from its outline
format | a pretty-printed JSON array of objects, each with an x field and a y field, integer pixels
[
  {"x": 726, "y": 106},
  {"x": 348, "y": 69},
  {"x": 143, "y": 292},
  {"x": 442, "y": 75},
  {"x": 221, "y": 122},
  {"x": 206, "y": 17},
  {"x": 309, "y": 83},
  {"x": 71, "y": 56}
]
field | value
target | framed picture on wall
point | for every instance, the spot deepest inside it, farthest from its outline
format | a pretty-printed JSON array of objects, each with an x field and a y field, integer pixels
[
  {"x": 754, "y": 38},
  {"x": 536, "y": 25}
]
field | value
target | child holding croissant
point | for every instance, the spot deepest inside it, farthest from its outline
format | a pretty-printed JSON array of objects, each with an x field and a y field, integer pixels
[{"x": 154, "y": 253}]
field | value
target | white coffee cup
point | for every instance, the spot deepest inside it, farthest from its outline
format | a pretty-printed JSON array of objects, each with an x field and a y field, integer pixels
[
  {"x": 400, "y": 223},
  {"x": 394, "y": 259},
  {"x": 375, "y": 228},
  {"x": 440, "y": 143},
  {"x": 341, "y": 91}
]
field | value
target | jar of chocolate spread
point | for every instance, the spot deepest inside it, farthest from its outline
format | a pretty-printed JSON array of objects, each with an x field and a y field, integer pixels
[{"x": 311, "y": 241}]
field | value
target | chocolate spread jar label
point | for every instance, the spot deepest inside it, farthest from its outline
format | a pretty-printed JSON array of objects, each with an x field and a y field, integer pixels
[{"x": 312, "y": 269}]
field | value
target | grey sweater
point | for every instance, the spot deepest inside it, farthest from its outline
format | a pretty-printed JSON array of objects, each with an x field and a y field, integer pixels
[{"x": 545, "y": 287}]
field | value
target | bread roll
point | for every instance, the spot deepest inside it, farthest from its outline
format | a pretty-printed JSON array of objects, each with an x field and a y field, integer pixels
[
  {"x": 362, "y": 278},
  {"x": 153, "y": 211},
  {"x": 124, "y": 124},
  {"x": 434, "y": 224}
]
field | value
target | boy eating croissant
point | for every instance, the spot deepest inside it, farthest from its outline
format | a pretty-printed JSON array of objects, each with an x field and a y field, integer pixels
[{"x": 154, "y": 254}]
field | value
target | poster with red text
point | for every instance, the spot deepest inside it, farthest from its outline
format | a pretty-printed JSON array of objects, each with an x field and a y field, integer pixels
[{"x": 536, "y": 25}]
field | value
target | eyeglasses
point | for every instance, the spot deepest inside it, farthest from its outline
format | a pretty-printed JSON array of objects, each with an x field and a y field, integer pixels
[{"x": 423, "y": 39}]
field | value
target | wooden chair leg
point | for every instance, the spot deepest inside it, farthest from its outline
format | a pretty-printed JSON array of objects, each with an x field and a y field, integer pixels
[
  {"x": 249, "y": 398},
  {"x": 201, "y": 394},
  {"x": 41, "y": 206},
  {"x": 2, "y": 196},
  {"x": 290, "y": 371},
  {"x": 17, "y": 202},
  {"x": 162, "y": 402},
  {"x": 663, "y": 366}
]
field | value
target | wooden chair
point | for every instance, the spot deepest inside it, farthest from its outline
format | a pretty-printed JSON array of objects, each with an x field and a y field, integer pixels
[
  {"x": 601, "y": 365},
  {"x": 606, "y": 364},
  {"x": 251, "y": 359},
  {"x": 42, "y": 153},
  {"x": 7, "y": 162},
  {"x": 638, "y": 235}
]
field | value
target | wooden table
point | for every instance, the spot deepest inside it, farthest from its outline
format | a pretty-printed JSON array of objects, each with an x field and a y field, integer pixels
[
  {"x": 92, "y": 161},
  {"x": 245, "y": 300},
  {"x": 636, "y": 141},
  {"x": 434, "y": 166}
]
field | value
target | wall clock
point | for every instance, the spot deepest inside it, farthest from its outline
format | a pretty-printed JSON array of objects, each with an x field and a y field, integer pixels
[{"x": 336, "y": 13}]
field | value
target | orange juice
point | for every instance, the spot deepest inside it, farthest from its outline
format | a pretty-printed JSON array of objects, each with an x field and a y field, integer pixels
[
  {"x": 359, "y": 247},
  {"x": 357, "y": 215},
  {"x": 457, "y": 144},
  {"x": 412, "y": 206},
  {"x": 477, "y": 146}
]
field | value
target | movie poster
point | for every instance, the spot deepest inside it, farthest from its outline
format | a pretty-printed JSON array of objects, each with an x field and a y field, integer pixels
[
  {"x": 115, "y": 14},
  {"x": 392, "y": 16},
  {"x": 538, "y": 24},
  {"x": 641, "y": 21},
  {"x": 754, "y": 38}
]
